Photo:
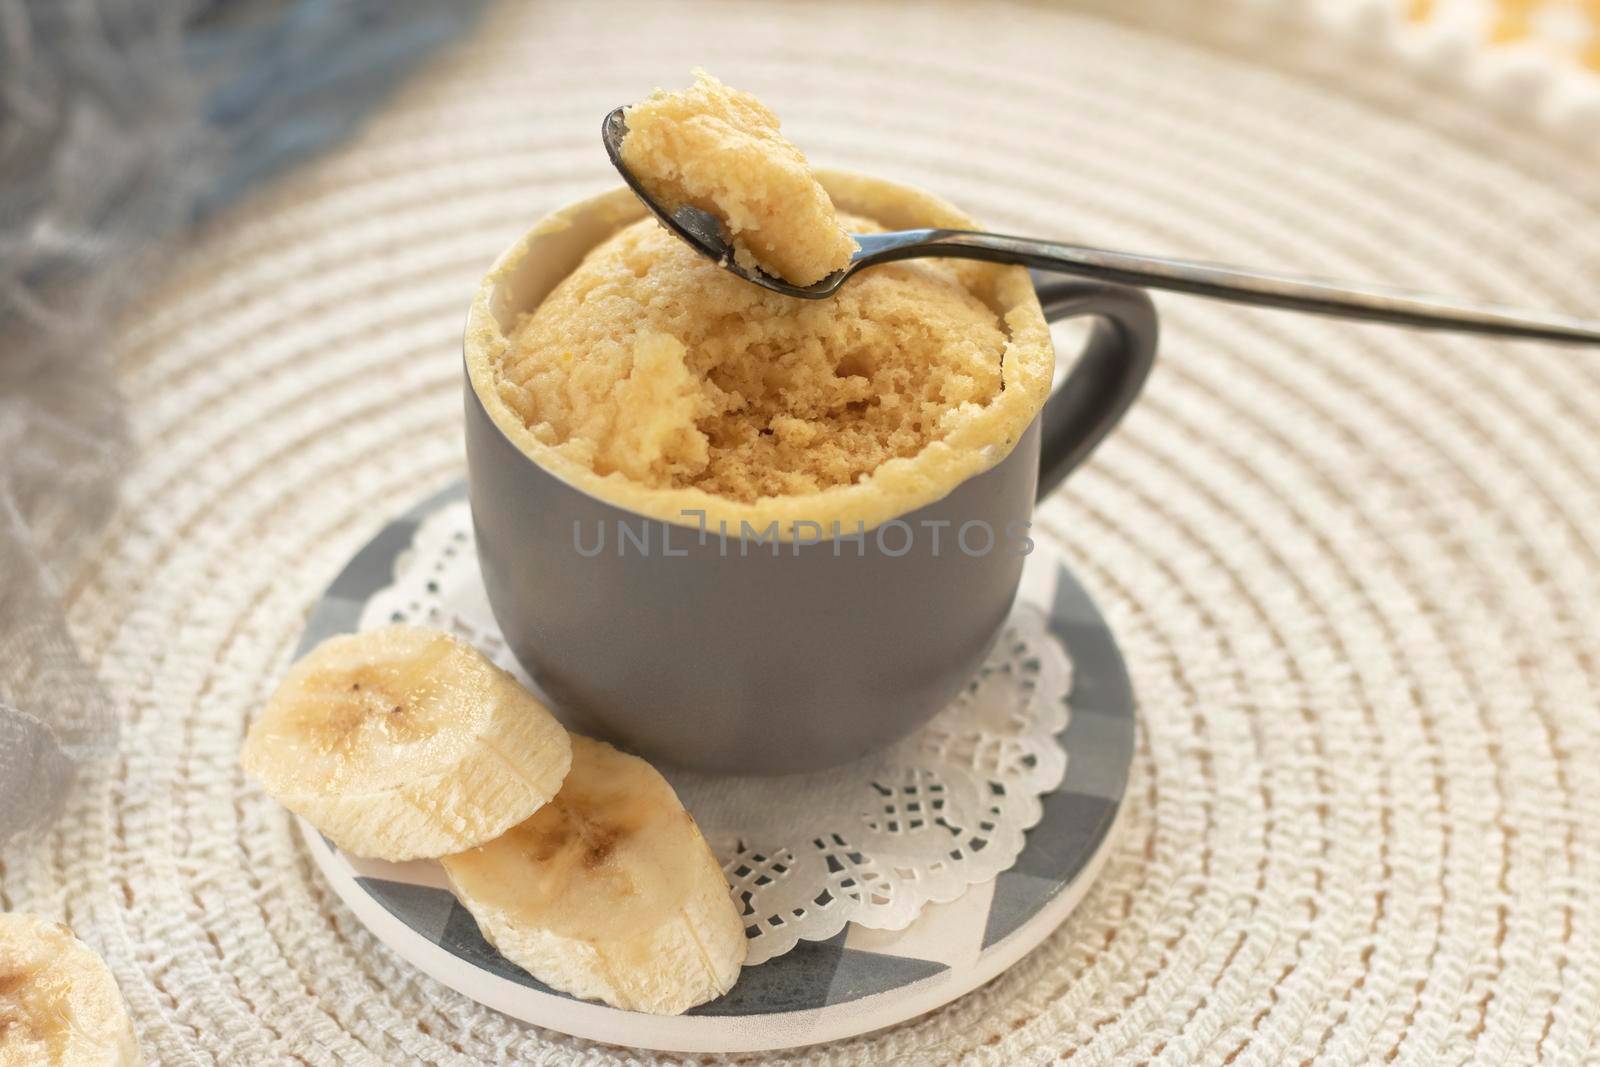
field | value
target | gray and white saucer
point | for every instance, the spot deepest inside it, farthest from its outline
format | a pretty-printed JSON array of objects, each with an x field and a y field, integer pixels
[{"x": 858, "y": 981}]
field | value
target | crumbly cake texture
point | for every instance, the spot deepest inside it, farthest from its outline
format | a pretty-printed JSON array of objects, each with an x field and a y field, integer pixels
[
  {"x": 721, "y": 150},
  {"x": 651, "y": 362},
  {"x": 617, "y": 375}
]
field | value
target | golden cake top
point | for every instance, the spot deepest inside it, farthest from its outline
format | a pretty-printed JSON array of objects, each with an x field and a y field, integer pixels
[{"x": 651, "y": 362}]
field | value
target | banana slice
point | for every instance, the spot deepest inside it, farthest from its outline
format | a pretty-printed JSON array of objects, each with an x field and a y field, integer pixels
[
  {"x": 59, "y": 1005},
  {"x": 404, "y": 743},
  {"x": 609, "y": 892}
]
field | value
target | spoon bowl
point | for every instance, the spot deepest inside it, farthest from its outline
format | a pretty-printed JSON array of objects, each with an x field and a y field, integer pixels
[{"x": 706, "y": 233}]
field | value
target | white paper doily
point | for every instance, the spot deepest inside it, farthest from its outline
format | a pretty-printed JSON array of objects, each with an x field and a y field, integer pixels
[{"x": 871, "y": 842}]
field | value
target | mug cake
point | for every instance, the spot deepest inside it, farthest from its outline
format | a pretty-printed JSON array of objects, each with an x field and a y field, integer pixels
[{"x": 660, "y": 382}]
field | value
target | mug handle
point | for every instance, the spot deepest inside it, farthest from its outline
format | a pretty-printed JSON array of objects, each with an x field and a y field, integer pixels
[{"x": 1098, "y": 390}]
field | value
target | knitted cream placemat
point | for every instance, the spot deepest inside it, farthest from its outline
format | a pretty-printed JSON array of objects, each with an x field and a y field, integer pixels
[{"x": 1355, "y": 570}]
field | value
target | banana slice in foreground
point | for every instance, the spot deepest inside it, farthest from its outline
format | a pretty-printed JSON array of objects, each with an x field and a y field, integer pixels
[
  {"x": 59, "y": 1005},
  {"x": 609, "y": 892},
  {"x": 405, "y": 743}
]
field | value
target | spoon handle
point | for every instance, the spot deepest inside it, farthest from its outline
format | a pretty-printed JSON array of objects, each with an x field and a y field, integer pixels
[{"x": 1371, "y": 303}]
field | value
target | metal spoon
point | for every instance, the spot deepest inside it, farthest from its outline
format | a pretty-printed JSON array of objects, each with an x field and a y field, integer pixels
[{"x": 705, "y": 232}]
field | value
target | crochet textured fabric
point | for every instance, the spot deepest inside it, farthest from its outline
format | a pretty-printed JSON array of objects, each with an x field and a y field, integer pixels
[{"x": 1353, "y": 570}]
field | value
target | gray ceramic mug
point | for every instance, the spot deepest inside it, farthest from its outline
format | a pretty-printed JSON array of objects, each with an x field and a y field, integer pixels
[{"x": 738, "y": 653}]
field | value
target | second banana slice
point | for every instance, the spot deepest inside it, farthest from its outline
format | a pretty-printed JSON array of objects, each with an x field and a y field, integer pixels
[{"x": 609, "y": 891}]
